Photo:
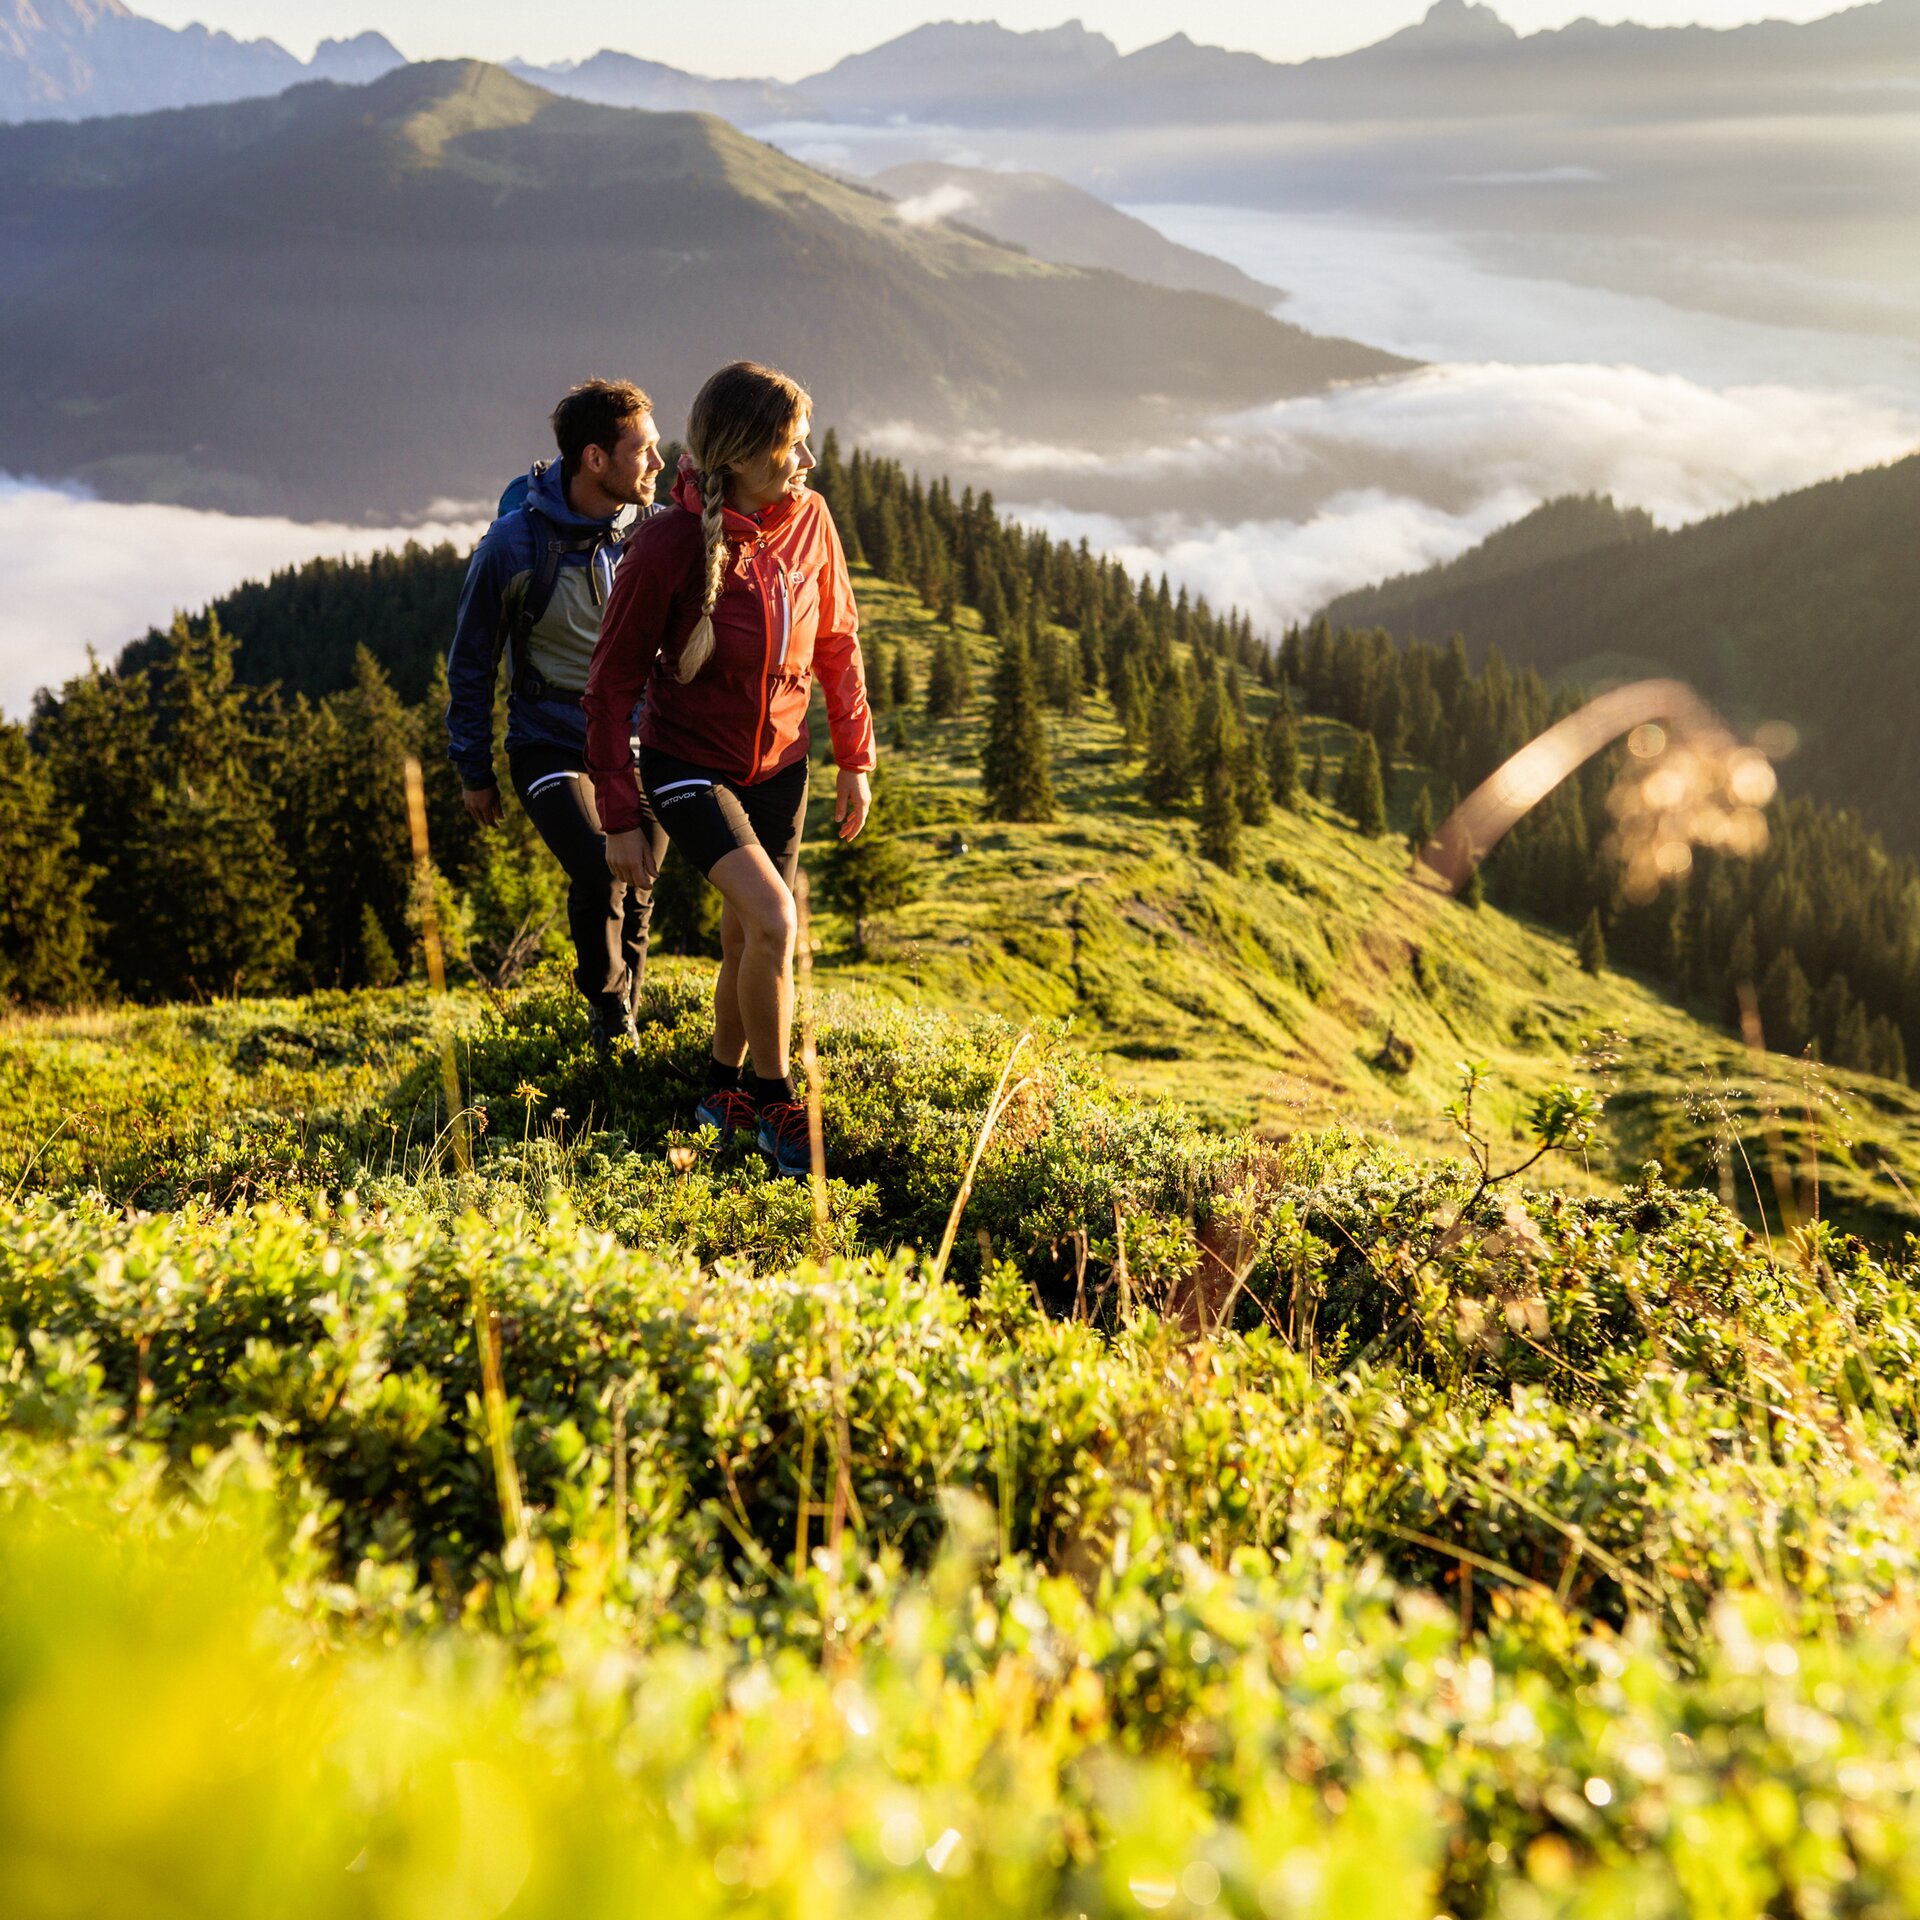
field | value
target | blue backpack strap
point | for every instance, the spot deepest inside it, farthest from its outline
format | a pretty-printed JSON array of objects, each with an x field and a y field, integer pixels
[{"x": 551, "y": 546}]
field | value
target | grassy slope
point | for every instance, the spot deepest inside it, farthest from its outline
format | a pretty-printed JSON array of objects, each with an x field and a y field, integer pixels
[{"x": 1264, "y": 997}]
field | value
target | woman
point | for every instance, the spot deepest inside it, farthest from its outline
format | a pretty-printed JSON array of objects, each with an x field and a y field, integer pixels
[{"x": 722, "y": 614}]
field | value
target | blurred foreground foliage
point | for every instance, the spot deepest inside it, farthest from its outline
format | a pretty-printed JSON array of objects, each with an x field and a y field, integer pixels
[{"x": 1236, "y": 1528}]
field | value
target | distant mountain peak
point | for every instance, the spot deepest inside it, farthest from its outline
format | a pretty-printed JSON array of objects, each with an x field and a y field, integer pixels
[{"x": 1452, "y": 25}]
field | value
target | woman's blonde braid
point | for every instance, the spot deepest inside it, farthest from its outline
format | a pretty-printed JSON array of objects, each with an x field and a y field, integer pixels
[{"x": 699, "y": 648}]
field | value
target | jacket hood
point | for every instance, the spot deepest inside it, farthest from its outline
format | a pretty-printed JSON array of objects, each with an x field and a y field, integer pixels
[
  {"x": 687, "y": 494},
  {"x": 547, "y": 489}
]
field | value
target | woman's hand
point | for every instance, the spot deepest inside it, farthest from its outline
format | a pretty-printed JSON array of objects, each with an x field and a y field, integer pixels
[
  {"x": 630, "y": 858},
  {"x": 852, "y": 801}
]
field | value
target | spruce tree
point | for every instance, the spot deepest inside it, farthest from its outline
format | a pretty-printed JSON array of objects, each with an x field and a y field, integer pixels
[
  {"x": 993, "y": 604},
  {"x": 900, "y": 681},
  {"x": 1473, "y": 890},
  {"x": 1786, "y": 1004},
  {"x": 1017, "y": 762},
  {"x": 943, "y": 687},
  {"x": 1593, "y": 944},
  {"x": 1317, "y": 773},
  {"x": 1420, "y": 826},
  {"x": 1168, "y": 778},
  {"x": 46, "y": 921},
  {"x": 1283, "y": 757},
  {"x": 880, "y": 679},
  {"x": 213, "y": 892},
  {"x": 1220, "y": 817},
  {"x": 870, "y": 875},
  {"x": 1360, "y": 792},
  {"x": 1250, "y": 783}
]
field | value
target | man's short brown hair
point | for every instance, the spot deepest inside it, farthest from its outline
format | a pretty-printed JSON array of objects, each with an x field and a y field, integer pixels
[{"x": 595, "y": 414}]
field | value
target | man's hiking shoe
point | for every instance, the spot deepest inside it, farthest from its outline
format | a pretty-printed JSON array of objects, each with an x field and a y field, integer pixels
[
  {"x": 607, "y": 1027},
  {"x": 727, "y": 1111},
  {"x": 784, "y": 1138}
]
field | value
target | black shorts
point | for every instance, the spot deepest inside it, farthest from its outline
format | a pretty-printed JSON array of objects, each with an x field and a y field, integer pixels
[{"x": 707, "y": 816}]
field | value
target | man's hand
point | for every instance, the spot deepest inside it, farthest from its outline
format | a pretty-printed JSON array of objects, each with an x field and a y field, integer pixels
[
  {"x": 852, "y": 800},
  {"x": 630, "y": 858},
  {"x": 484, "y": 804}
]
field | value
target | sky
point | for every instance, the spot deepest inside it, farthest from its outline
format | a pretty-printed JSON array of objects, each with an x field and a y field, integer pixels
[{"x": 786, "y": 41}]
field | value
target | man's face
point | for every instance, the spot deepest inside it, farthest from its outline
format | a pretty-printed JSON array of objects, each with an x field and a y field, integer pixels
[{"x": 628, "y": 471}]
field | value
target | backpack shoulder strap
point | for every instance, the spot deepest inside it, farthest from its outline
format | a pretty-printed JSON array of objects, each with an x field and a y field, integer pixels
[{"x": 551, "y": 546}]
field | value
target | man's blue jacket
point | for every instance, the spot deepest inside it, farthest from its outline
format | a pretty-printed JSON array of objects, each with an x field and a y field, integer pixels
[{"x": 497, "y": 579}]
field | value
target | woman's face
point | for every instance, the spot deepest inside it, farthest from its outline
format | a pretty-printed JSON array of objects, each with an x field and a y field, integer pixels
[{"x": 777, "y": 474}]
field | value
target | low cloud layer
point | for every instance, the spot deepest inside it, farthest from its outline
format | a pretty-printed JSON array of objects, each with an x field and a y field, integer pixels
[
  {"x": 1282, "y": 508},
  {"x": 941, "y": 203},
  {"x": 86, "y": 573}
]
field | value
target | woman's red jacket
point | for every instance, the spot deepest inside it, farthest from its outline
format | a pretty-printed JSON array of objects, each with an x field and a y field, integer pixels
[{"x": 785, "y": 614}]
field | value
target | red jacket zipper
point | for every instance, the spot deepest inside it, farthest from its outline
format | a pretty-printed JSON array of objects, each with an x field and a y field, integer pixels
[{"x": 766, "y": 676}]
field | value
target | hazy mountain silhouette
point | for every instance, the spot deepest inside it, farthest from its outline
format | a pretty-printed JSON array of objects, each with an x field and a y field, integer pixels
[
  {"x": 1798, "y": 609},
  {"x": 353, "y": 301},
  {"x": 1058, "y": 221},
  {"x": 1460, "y": 61},
  {"x": 61, "y": 59},
  {"x": 623, "y": 80}
]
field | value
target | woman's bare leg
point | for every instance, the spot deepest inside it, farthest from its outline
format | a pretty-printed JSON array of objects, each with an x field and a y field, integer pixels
[
  {"x": 729, "y": 1036},
  {"x": 758, "y": 898}
]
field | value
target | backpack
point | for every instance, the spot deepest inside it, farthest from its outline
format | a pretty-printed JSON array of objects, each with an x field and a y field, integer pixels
[{"x": 550, "y": 545}]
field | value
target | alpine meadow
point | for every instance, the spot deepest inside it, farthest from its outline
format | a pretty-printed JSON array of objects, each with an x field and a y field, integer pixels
[{"x": 1286, "y": 1286}]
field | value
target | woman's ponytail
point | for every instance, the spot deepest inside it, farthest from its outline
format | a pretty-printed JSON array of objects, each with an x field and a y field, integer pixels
[{"x": 699, "y": 647}]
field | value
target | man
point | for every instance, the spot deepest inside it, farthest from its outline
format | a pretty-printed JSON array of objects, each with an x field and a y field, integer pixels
[{"x": 535, "y": 588}]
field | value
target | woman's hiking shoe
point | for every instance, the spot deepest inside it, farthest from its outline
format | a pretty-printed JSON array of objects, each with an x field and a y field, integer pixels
[
  {"x": 786, "y": 1139},
  {"x": 727, "y": 1110}
]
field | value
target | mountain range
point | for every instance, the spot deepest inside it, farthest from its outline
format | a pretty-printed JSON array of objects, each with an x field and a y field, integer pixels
[
  {"x": 61, "y": 59},
  {"x": 1798, "y": 609},
  {"x": 66, "y": 58},
  {"x": 355, "y": 301}
]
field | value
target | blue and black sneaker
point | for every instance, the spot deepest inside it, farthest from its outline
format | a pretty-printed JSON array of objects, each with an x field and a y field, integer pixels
[
  {"x": 785, "y": 1138},
  {"x": 727, "y": 1111}
]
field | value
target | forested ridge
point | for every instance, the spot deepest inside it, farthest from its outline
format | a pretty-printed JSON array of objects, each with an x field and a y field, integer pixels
[
  {"x": 219, "y": 812},
  {"x": 1799, "y": 609}
]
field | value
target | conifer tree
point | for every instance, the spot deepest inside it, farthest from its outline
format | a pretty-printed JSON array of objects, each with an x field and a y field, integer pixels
[
  {"x": 1473, "y": 890},
  {"x": 1317, "y": 773},
  {"x": 900, "y": 680},
  {"x": 212, "y": 891},
  {"x": 993, "y": 604},
  {"x": 1360, "y": 792},
  {"x": 1420, "y": 826},
  {"x": 1220, "y": 817},
  {"x": 867, "y": 876},
  {"x": 945, "y": 700},
  {"x": 1786, "y": 1004},
  {"x": 1017, "y": 762},
  {"x": 1888, "y": 1051},
  {"x": 1283, "y": 756},
  {"x": 1593, "y": 944},
  {"x": 46, "y": 920},
  {"x": 1168, "y": 778},
  {"x": 1250, "y": 783},
  {"x": 880, "y": 679}
]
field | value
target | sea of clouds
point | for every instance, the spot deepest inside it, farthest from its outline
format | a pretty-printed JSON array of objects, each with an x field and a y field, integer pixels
[
  {"x": 89, "y": 575},
  {"x": 1536, "y": 388}
]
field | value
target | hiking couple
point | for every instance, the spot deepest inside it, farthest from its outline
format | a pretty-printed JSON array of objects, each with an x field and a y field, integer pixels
[{"x": 660, "y": 659}]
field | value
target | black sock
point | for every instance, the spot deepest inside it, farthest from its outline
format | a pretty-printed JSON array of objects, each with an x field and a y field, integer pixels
[
  {"x": 767, "y": 1092},
  {"x": 719, "y": 1074}
]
